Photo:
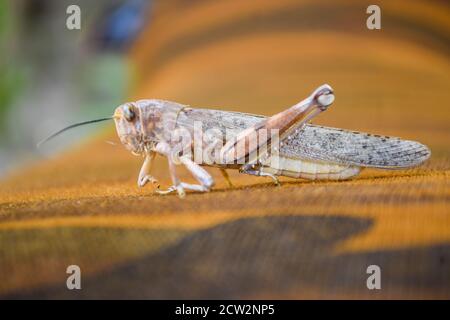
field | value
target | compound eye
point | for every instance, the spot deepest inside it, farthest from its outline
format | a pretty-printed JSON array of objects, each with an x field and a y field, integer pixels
[{"x": 128, "y": 113}]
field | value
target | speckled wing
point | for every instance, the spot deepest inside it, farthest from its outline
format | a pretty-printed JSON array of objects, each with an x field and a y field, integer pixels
[
  {"x": 354, "y": 148},
  {"x": 320, "y": 143}
]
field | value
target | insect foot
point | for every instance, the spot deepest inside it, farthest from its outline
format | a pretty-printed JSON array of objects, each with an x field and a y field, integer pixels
[
  {"x": 144, "y": 180},
  {"x": 181, "y": 192},
  {"x": 179, "y": 189}
]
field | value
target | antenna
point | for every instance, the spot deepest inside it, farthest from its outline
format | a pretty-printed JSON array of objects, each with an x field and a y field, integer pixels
[{"x": 70, "y": 127}]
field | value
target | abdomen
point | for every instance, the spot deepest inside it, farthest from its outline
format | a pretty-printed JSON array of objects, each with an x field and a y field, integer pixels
[{"x": 307, "y": 169}]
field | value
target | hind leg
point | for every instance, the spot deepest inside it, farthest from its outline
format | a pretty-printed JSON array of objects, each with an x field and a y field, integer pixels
[{"x": 256, "y": 171}]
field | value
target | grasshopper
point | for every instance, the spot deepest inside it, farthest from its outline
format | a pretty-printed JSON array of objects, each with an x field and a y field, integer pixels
[{"x": 298, "y": 149}]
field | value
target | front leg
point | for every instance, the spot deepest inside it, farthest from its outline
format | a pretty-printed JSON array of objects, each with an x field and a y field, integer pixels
[
  {"x": 144, "y": 173},
  {"x": 164, "y": 149}
]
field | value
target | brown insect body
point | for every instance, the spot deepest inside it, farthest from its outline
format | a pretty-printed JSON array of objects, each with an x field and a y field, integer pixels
[
  {"x": 299, "y": 150},
  {"x": 157, "y": 119}
]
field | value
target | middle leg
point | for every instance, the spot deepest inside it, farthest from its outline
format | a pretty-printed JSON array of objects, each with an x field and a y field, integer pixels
[{"x": 200, "y": 174}]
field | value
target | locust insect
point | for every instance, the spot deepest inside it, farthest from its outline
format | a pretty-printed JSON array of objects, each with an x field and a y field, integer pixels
[{"x": 298, "y": 149}]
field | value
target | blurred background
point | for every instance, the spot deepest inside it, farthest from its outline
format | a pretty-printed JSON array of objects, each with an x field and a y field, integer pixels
[
  {"x": 51, "y": 76},
  {"x": 75, "y": 200}
]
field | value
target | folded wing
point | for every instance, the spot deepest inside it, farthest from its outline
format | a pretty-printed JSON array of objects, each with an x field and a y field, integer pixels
[
  {"x": 354, "y": 148},
  {"x": 320, "y": 143}
]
